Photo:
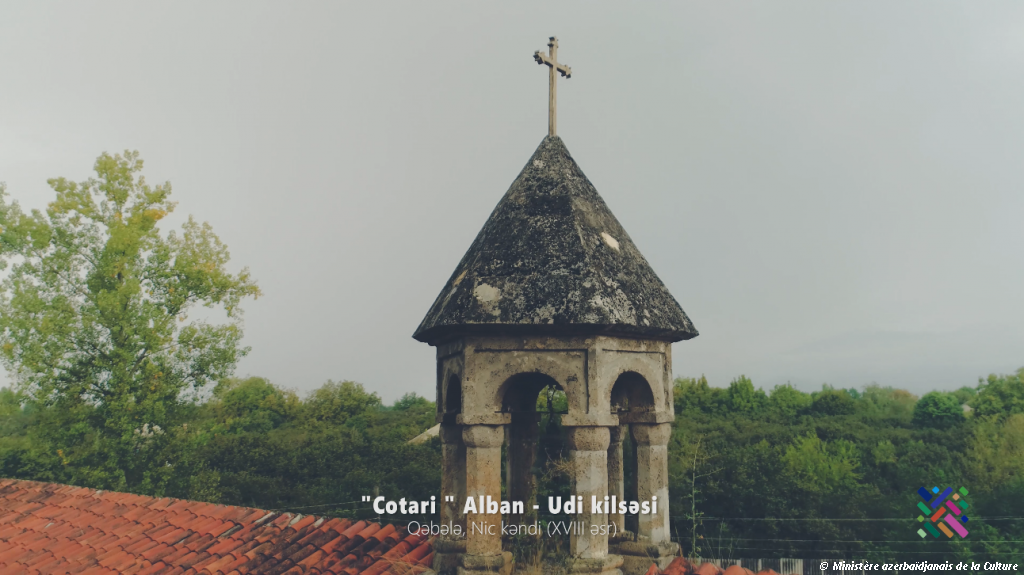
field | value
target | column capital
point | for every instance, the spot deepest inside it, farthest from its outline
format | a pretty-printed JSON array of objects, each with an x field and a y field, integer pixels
[
  {"x": 651, "y": 434},
  {"x": 589, "y": 438},
  {"x": 483, "y": 435},
  {"x": 616, "y": 434}
]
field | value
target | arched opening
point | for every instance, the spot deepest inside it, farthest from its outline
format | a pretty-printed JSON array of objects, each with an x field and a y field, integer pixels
[
  {"x": 631, "y": 396},
  {"x": 534, "y": 442},
  {"x": 520, "y": 392},
  {"x": 452, "y": 398}
]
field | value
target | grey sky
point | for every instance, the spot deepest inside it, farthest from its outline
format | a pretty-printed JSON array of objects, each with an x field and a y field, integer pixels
[{"x": 832, "y": 191}]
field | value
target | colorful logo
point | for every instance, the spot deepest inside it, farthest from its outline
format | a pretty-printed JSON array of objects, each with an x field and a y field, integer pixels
[{"x": 942, "y": 511}]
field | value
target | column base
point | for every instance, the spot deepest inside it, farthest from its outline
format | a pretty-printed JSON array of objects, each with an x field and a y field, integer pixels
[
  {"x": 448, "y": 555},
  {"x": 620, "y": 537},
  {"x": 637, "y": 556},
  {"x": 607, "y": 565},
  {"x": 485, "y": 564}
]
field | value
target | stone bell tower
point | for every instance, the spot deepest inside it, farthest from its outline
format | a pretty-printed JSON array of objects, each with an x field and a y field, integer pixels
[{"x": 553, "y": 292}]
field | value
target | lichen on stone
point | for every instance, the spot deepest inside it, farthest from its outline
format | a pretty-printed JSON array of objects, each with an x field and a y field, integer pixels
[{"x": 552, "y": 258}]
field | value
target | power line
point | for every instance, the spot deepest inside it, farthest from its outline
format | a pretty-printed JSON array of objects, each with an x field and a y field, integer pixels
[
  {"x": 705, "y": 518},
  {"x": 882, "y": 552},
  {"x": 338, "y": 504},
  {"x": 847, "y": 540}
]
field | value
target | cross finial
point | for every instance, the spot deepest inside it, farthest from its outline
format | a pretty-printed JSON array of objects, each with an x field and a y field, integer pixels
[{"x": 551, "y": 59}]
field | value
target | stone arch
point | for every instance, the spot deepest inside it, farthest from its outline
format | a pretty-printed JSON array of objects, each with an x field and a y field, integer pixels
[
  {"x": 631, "y": 395},
  {"x": 519, "y": 393},
  {"x": 632, "y": 400},
  {"x": 491, "y": 374}
]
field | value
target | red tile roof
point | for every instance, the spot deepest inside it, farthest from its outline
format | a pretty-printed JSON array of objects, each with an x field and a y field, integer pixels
[{"x": 47, "y": 528}]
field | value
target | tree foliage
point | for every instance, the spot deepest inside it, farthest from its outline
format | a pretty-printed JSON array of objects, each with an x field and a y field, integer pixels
[
  {"x": 999, "y": 395},
  {"x": 93, "y": 319},
  {"x": 937, "y": 409},
  {"x": 830, "y": 474},
  {"x": 116, "y": 389}
]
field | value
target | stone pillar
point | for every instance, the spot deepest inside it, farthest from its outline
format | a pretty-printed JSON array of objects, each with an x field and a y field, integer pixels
[
  {"x": 448, "y": 549},
  {"x": 653, "y": 543},
  {"x": 631, "y": 520},
  {"x": 588, "y": 453},
  {"x": 483, "y": 479},
  {"x": 616, "y": 480},
  {"x": 520, "y": 483},
  {"x": 453, "y": 474},
  {"x": 652, "y": 478}
]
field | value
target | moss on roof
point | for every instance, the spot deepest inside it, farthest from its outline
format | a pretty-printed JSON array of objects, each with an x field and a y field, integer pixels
[{"x": 552, "y": 259}]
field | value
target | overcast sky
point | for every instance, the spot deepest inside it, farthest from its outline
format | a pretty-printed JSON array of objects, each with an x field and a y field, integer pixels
[{"x": 833, "y": 191}]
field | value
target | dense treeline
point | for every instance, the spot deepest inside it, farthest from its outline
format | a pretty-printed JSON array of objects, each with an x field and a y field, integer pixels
[
  {"x": 832, "y": 473},
  {"x": 117, "y": 388},
  {"x": 250, "y": 443},
  {"x": 835, "y": 473}
]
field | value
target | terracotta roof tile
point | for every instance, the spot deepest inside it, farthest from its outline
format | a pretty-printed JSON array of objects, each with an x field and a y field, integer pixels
[
  {"x": 50, "y": 528},
  {"x": 235, "y": 565},
  {"x": 143, "y": 544},
  {"x": 226, "y": 545}
]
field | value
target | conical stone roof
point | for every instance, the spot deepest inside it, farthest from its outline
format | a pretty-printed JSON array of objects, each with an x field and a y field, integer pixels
[{"x": 552, "y": 259}]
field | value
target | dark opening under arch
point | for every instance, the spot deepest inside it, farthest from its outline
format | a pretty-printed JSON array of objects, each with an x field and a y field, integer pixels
[{"x": 631, "y": 394}]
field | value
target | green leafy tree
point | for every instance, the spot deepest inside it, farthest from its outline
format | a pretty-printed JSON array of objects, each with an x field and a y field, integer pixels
[
  {"x": 833, "y": 402},
  {"x": 252, "y": 404},
  {"x": 787, "y": 401},
  {"x": 93, "y": 320},
  {"x": 823, "y": 466},
  {"x": 884, "y": 452},
  {"x": 695, "y": 394},
  {"x": 996, "y": 452},
  {"x": 1000, "y": 395},
  {"x": 896, "y": 406},
  {"x": 412, "y": 401},
  {"x": 937, "y": 409},
  {"x": 336, "y": 402},
  {"x": 741, "y": 397},
  {"x": 965, "y": 394}
]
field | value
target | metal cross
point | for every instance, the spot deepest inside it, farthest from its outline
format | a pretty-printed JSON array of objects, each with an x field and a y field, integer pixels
[{"x": 552, "y": 61}]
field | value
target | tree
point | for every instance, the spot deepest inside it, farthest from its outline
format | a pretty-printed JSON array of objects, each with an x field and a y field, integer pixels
[
  {"x": 937, "y": 409},
  {"x": 411, "y": 400},
  {"x": 833, "y": 402},
  {"x": 965, "y": 394},
  {"x": 691, "y": 393},
  {"x": 999, "y": 395},
  {"x": 788, "y": 401},
  {"x": 252, "y": 404},
  {"x": 335, "y": 402},
  {"x": 93, "y": 320},
  {"x": 741, "y": 397},
  {"x": 887, "y": 403},
  {"x": 996, "y": 452},
  {"x": 823, "y": 466}
]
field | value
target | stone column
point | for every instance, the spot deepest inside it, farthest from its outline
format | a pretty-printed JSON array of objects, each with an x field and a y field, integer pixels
[
  {"x": 631, "y": 463},
  {"x": 588, "y": 453},
  {"x": 453, "y": 474},
  {"x": 483, "y": 479},
  {"x": 616, "y": 480},
  {"x": 652, "y": 478},
  {"x": 448, "y": 549},
  {"x": 653, "y": 543},
  {"x": 520, "y": 483}
]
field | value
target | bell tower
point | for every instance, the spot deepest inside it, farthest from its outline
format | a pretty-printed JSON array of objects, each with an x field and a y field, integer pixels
[{"x": 553, "y": 292}]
